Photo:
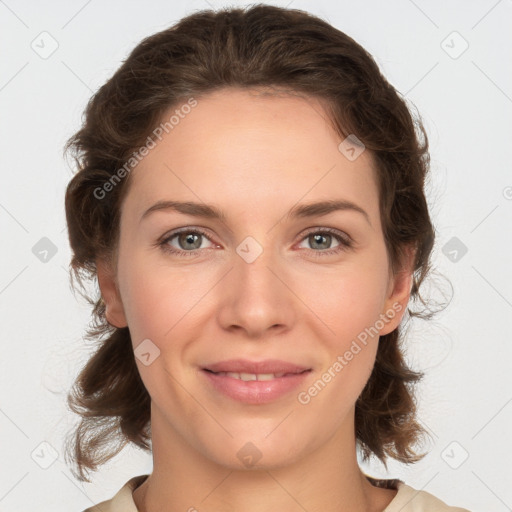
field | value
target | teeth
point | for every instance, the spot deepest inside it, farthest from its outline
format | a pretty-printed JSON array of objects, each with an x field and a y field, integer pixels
[
  {"x": 251, "y": 376},
  {"x": 266, "y": 376},
  {"x": 248, "y": 376}
]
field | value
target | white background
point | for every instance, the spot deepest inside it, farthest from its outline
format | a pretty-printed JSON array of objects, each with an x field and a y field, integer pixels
[{"x": 466, "y": 105}]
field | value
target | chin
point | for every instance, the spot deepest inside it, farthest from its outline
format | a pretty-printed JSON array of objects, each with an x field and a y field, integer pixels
[{"x": 255, "y": 449}]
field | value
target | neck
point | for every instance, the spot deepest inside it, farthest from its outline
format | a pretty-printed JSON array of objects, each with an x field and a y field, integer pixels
[{"x": 327, "y": 479}]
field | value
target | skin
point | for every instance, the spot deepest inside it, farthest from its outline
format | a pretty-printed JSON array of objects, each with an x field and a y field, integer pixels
[{"x": 254, "y": 157}]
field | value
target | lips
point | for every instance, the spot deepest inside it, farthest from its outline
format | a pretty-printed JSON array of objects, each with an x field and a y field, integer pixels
[{"x": 255, "y": 382}]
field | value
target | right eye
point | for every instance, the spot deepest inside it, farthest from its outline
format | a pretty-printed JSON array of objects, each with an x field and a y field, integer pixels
[{"x": 189, "y": 241}]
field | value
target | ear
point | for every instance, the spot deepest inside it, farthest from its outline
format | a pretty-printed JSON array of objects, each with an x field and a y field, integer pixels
[
  {"x": 114, "y": 310},
  {"x": 399, "y": 292}
]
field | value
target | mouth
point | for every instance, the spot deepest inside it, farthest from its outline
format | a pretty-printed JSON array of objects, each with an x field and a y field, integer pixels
[{"x": 254, "y": 382}]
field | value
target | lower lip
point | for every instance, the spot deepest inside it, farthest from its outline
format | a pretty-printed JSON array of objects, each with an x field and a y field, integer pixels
[{"x": 254, "y": 391}]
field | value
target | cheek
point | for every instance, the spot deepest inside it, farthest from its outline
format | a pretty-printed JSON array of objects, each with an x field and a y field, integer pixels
[
  {"x": 351, "y": 310},
  {"x": 156, "y": 299},
  {"x": 350, "y": 304},
  {"x": 347, "y": 301},
  {"x": 158, "y": 306}
]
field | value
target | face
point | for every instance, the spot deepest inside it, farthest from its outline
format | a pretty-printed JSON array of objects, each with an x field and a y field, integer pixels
[{"x": 262, "y": 291}]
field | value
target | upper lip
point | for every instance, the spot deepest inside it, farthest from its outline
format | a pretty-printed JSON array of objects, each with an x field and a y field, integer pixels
[{"x": 257, "y": 367}]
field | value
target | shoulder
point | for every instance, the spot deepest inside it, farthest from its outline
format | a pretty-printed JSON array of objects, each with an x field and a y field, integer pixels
[
  {"x": 409, "y": 499},
  {"x": 122, "y": 501}
]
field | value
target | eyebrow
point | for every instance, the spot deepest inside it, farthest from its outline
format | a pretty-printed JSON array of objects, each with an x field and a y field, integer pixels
[{"x": 209, "y": 211}]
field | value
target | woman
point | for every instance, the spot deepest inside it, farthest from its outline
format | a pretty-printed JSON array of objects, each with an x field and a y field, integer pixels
[{"x": 250, "y": 200}]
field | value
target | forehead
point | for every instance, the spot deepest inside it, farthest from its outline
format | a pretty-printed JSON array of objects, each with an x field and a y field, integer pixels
[{"x": 241, "y": 149}]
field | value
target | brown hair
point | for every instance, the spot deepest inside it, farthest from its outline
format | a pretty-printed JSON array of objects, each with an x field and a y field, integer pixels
[{"x": 261, "y": 46}]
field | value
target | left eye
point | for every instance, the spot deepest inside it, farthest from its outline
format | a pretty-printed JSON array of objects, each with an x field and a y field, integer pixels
[{"x": 322, "y": 239}]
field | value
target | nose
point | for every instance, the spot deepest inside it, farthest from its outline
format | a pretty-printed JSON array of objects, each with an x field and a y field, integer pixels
[{"x": 256, "y": 296}]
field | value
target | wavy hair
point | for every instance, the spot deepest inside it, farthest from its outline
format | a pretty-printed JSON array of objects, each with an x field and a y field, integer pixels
[{"x": 257, "y": 47}]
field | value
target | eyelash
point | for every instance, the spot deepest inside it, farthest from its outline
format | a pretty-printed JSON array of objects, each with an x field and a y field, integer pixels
[{"x": 345, "y": 242}]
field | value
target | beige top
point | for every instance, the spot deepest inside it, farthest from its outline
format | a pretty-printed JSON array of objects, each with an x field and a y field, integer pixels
[{"x": 407, "y": 499}]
